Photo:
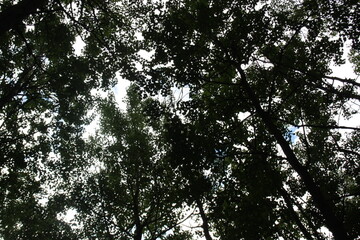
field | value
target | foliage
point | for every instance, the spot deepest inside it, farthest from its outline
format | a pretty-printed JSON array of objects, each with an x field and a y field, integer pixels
[
  {"x": 256, "y": 73},
  {"x": 270, "y": 62},
  {"x": 130, "y": 193},
  {"x": 47, "y": 89}
]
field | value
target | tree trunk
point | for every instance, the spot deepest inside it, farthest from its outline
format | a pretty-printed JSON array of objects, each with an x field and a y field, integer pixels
[
  {"x": 294, "y": 215},
  {"x": 205, "y": 224},
  {"x": 136, "y": 211},
  {"x": 138, "y": 232},
  {"x": 331, "y": 221},
  {"x": 12, "y": 16}
]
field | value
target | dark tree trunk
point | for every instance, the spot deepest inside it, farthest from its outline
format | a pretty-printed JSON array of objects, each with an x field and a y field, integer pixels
[
  {"x": 12, "y": 16},
  {"x": 205, "y": 224},
  {"x": 294, "y": 215},
  {"x": 138, "y": 232},
  {"x": 331, "y": 221},
  {"x": 136, "y": 211}
]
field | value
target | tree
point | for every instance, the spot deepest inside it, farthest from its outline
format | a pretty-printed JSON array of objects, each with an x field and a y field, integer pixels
[
  {"x": 13, "y": 15},
  {"x": 45, "y": 86},
  {"x": 46, "y": 89},
  {"x": 132, "y": 194},
  {"x": 190, "y": 156},
  {"x": 23, "y": 216},
  {"x": 254, "y": 70},
  {"x": 274, "y": 59}
]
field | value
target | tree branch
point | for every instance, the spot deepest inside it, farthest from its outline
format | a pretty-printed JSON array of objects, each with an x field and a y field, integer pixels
[
  {"x": 332, "y": 222},
  {"x": 13, "y": 16}
]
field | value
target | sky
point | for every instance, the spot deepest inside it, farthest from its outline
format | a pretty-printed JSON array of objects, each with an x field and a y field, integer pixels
[{"x": 346, "y": 71}]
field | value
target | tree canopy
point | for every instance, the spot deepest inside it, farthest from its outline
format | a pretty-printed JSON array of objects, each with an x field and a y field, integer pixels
[{"x": 232, "y": 124}]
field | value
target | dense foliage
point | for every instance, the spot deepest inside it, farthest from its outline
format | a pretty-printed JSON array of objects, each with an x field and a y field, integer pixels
[{"x": 254, "y": 150}]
